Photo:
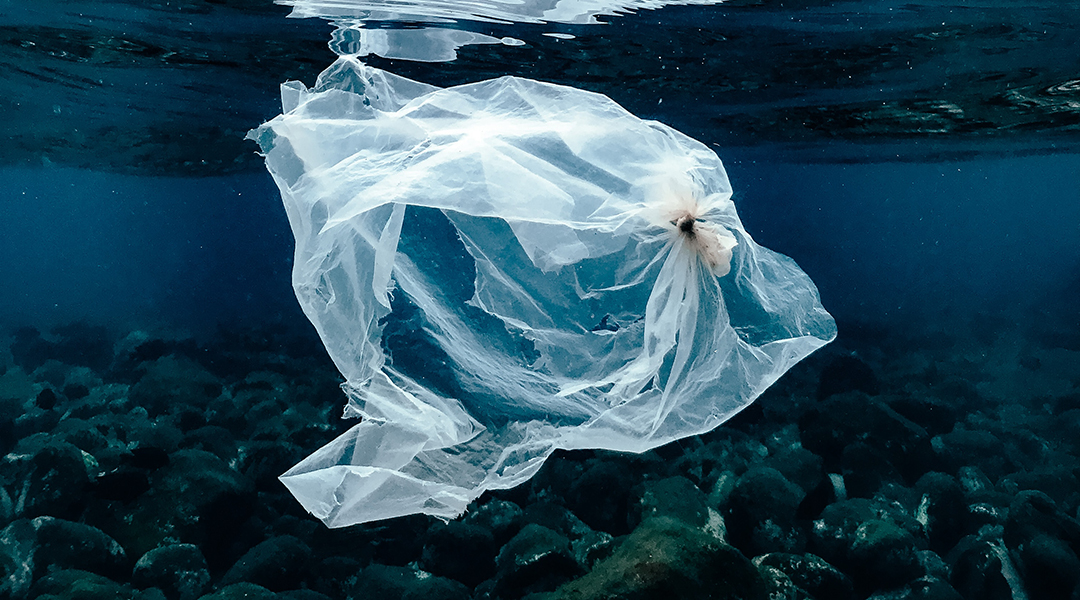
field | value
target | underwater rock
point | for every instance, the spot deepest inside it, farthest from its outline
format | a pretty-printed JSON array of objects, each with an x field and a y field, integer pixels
[
  {"x": 135, "y": 348},
  {"x": 50, "y": 480},
  {"x": 71, "y": 584},
  {"x": 460, "y": 551},
  {"x": 847, "y": 374},
  {"x": 213, "y": 439},
  {"x": 835, "y": 534},
  {"x": 264, "y": 421},
  {"x": 178, "y": 570},
  {"x": 52, "y": 373},
  {"x": 976, "y": 485},
  {"x": 1044, "y": 541},
  {"x": 196, "y": 498},
  {"x": 242, "y": 591},
  {"x": 600, "y": 497},
  {"x": 797, "y": 464},
  {"x": 1050, "y": 568},
  {"x": 188, "y": 419},
  {"x": 121, "y": 485},
  {"x": 263, "y": 460},
  {"x": 259, "y": 386},
  {"x": 675, "y": 497},
  {"x": 139, "y": 429},
  {"x": 381, "y": 581},
  {"x": 1033, "y": 513},
  {"x": 1058, "y": 481},
  {"x": 63, "y": 544},
  {"x": 83, "y": 344},
  {"x": 335, "y": 576},
  {"x": 811, "y": 574},
  {"x": 76, "y": 391},
  {"x": 305, "y": 435},
  {"x": 926, "y": 588},
  {"x": 845, "y": 419},
  {"x": 80, "y": 382},
  {"x": 174, "y": 382},
  {"x": 968, "y": 447},
  {"x": 73, "y": 344},
  {"x": 819, "y": 497},
  {"x": 883, "y": 555},
  {"x": 103, "y": 404},
  {"x": 779, "y": 586},
  {"x": 586, "y": 544},
  {"x": 276, "y": 564},
  {"x": 396, "y": 543},
  {"x": 664, "y": 558},
  {"x": 7, "y": 507},
  {"x": 302, "y": 595},
  {"x": 933, "y": 414},
  {"x": 555, "y": 517},
  {"x": 38, "y": 546},
  {"x": 8, "y": 406},
  {"x": 987, "y": 505},
  {"x": 289, "y": 523},
  {"x": 537, "y": 559},
  {"x": 85, "y": 436},
  {"x": 866, "y": 470},
  {"x": 16, "y": 387},
  {"x": 32, "y": 421},
  {"x": 984, "y": 514},
  {"x": 933, "y": 565},
  {"x": 760, "y": 513},
  {"x": 982, "y": 570},
  {"x": 28, "y": 349},
  {"x": 945, "y": 508},
  {"x": 17, "y": 558},
  {"x": 958, "y": 392},
  {"x": 592, "y": 547},
  {"x": 46, "y": 399},
  {"x": 695, "y": 460},
  {"x": 146, "y": 457},
  {"x": 502, "y": 518}
]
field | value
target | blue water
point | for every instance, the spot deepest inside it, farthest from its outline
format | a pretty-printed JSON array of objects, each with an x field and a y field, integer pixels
[
  {"x": 138, "y": 251},
  {"x": 893, "y": 243}
]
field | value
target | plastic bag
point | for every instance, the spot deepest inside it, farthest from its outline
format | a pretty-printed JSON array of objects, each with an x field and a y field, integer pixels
[{"x": 509, "y": 267}]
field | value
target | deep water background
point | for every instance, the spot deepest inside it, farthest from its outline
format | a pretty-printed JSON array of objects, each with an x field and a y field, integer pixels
[
  {"x": 922, "y": 243},
  {"x": 138, "y": 251},
  {"x": 898, "y": 244},
  {"x": 918, "y": 160}
]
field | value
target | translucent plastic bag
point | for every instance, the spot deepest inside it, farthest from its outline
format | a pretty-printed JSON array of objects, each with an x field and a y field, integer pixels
[{"x": 509, "y": 267}]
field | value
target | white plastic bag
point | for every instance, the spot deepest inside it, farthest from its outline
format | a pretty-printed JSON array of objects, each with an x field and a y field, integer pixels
[{"x": 509, "y": 267}]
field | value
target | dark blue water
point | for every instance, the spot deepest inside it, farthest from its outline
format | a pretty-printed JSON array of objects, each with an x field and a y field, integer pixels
[
  {"x": 892, "y": 242},
  {"x": 136, "y": 251},
  {"x": 907, "y": 155},
  {"x": 895, "y": 243}
]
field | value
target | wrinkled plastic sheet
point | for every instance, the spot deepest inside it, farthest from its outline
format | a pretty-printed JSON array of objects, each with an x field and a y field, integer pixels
[{"x": 509, "y": 267}]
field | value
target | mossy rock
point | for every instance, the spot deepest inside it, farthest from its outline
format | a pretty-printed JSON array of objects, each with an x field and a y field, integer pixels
[{"x": 666, "y": 558}]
